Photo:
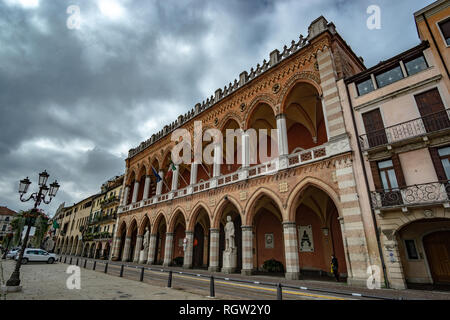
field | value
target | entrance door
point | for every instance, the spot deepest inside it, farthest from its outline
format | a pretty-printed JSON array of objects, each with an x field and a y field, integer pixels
[
  {"x": 432, "y": 110},
  {"x": 437, "y": 248},
  {"x": 374, "y": 126}
]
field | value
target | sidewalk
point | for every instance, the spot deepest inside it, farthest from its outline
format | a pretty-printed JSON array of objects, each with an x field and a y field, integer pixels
[
  {"x": 322, "y": 284},
  {"x": 42, "y": 281}
]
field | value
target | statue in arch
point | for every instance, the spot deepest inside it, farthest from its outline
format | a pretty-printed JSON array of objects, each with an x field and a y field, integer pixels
[
  {"x": 229, "y": 235},
  {"x": 146, "y": 238}
]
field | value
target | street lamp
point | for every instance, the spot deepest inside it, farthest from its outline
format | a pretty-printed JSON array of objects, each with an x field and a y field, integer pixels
[{"x": 38, "y": 197}]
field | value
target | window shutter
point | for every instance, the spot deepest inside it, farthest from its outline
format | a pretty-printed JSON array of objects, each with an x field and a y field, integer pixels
[
  {"x": 398, "y": 170},
  {"x": 376, "y": 175},
  {"x": 440, "y": 172}
]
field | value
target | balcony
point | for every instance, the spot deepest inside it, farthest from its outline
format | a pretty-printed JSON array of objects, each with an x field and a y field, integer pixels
[
  {"x": 109, "y": 201},
  {"x": 97, "y": 236},
  {"x": 103, "y": 218},
  {"x": 416, "y": 128},
  {"x": 304, "y": 157},
  {"x": 426, "y": 194}
]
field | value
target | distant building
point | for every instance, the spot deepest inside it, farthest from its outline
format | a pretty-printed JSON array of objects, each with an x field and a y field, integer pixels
[{"x": 6, "y": 215}]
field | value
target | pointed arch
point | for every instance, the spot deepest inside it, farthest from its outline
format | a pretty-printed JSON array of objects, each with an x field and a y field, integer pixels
[
  {"x": 174, "y": 217},
  {"x": 194, "y": 215},
  {"x": 217, "y": 215},
  {"x": 260, "y": 192}
]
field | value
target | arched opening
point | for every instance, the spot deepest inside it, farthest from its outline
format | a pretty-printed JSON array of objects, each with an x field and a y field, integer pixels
[
  {"x": 231, "y": 210},
  {"x": 318, "y": 233},
  {"x": 424, "y": 249},
  {"x": 161, "y": 228},
  {"x": 141, "y": 179},
  {"x": 179, "y": 230},
  {"x": 132, "y": 233},
  {"x": 305, "y": 121},
  {"x": 268, "y": 239},
  {"x": 98, "y": 251},
  {"x": 200, "y": 257},
  {"x": 131, "y": 182},
  {"x": 106, "y": 250},
  {"x": 227, "y": 168},
  {"x": 92, "y": 250},
  {"x": 168, "y": 173},
  {"x": 262, "y": 117},
  {"x": 122, "y": 234}
]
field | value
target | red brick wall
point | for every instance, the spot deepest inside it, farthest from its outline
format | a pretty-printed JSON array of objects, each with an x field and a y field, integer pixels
[
  {"x": 338, "y": 245},
  {"x": 267, "y": 222}
]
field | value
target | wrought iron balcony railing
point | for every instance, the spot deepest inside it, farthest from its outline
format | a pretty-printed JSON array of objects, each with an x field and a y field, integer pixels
[
  {"x": 415, "y": 195},
  {"x": 410, "y": 129}
]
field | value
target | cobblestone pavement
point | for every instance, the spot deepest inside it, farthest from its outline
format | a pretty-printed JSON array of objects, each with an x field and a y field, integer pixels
[{"x": 42, "y": 281}]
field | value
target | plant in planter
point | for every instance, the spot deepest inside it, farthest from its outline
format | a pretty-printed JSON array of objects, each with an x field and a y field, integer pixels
[
  {"x": 178, "y": 261},
  {"x": 273, "y": 265}
]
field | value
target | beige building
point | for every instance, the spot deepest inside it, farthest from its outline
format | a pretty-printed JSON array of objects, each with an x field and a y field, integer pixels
[
  {"x": 399, "y": 110},
  {"x": 6, "y": 215},
  {"x": 102, "y": 220}
]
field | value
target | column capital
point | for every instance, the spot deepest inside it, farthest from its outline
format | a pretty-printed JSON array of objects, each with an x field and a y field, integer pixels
[
  {"x": 169, "y": 234},
  {"x": 140, "y": 236},
  {"x": 247, "y": 228},
  {"x": 288, "y": 223},
  {"x": 154, "y": 235},
  {"x": 280, "y": 116},
  {"x": 214, "y": 230},
  {"x": 189, "y": 232}
]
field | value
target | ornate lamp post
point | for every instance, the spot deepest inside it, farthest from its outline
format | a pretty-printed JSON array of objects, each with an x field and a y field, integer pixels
[
  {"x": 9, "y": 236},
  {"x": 38, "y": 197}
]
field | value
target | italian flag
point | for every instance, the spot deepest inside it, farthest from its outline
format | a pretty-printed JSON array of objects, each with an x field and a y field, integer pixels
[{"x": 171, "y": 169}]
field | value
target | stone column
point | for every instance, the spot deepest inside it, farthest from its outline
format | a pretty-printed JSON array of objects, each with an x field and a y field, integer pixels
[
  {"x": 187, "y": 261},
  {"x": 194, "y": 170},
  {"x": 247, "y": 250},
  {"x": 159, "y": 185},
  {"x": 217, "y": 160},
  {"x": 146, "y": 187},
  {"x": 115, "y": 248},
  {"x": 175, "y": 178},
  {"x": 245, "y": 150},
  {"x": 135, "y": 192},
  {"x": 394, "y": 266},
  {"x": 137, "y": 249},
  {"x": 76, "y": 249},
  {"x": 126, "y": 249},
  {"x": 291, "y": 251},
  {"x": 125, "y": 195},
  {"x": 168, "y": 249},
  {"x": 283, "y": 148},
  {"x": 214, "y": 250},
  {"x": 151, "y": 249}
]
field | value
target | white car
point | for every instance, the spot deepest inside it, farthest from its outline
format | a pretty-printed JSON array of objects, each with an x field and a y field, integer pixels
[
  {"x": 31, "y": 254},
  {"x": 12, "y": 254}
]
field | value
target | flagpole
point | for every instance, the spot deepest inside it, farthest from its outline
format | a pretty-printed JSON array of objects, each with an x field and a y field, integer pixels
[
  {"x": 162, "y": 179},
  {"x": 205, "y": 169}
]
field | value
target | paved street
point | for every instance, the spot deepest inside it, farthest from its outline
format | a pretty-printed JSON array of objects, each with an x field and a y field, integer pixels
[{"x": 43, "y": 281}]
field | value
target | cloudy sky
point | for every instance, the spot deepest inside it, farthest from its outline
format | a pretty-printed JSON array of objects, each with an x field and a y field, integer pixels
[{"x": 77, "y": 91}]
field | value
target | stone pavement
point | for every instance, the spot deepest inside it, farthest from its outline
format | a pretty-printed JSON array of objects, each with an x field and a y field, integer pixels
[{"x": 42, "y": 281}]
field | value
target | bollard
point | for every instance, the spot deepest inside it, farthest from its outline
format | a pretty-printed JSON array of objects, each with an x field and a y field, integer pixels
[
  {"x": 106, "y": 267},
  {"x": 211, "y": 287},
  {"x": 121, "y": 271},
  {"x": 70, "y": 260},
  {"x": 95, "y": 263},
  {"x": 85, "y": 262},
  {"x": 77, "y": 261},
  {"x": 65, "y": 259},
  {"x": 142, "y": 274},
  {"x": 279, "y": 292},
  {"x": 169, "y": 281}
]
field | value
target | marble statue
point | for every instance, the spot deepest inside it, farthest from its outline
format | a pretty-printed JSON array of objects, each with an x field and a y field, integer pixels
[
  {"x": 229, "y": 235},
  {"x": 230, "y": 252}
]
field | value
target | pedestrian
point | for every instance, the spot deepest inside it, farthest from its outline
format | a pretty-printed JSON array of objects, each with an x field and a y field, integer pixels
[{"x": 334, "y": 267}]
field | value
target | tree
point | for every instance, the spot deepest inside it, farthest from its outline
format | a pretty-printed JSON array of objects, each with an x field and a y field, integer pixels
[{"x": 40, "y": 223}]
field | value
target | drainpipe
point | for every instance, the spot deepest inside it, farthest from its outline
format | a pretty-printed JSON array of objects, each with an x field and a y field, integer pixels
[
  {"x": 386, "y": 281},
  {"x": 435, "y": 44}
]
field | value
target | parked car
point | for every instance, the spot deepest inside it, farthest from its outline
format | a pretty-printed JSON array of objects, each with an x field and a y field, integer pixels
[
  {"x": 12, "y": 254},
  {"x": 31, "y": 254}
]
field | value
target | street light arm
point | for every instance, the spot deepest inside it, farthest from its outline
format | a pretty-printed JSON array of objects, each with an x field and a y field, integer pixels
[{"x": 32, "y": 196}]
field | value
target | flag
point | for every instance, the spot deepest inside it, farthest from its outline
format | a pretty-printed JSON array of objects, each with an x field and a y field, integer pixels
[
  {"x": 158, "y": 178},
  {"x": 171, "y": 169},
  {"x": 55, "y": 224}
]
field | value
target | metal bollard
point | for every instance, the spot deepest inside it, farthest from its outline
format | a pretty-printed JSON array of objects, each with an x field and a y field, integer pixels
[
  {"x": 95, "y": 263},
  {"x": 77, "y": 261},
  {"x": 279, "y": 292},
  {"x": 211, "y": 287},
  {"x": 65, "y": 259},
  {"x": 85, "y": 262},
  {"x": 121, "y": 271},
  {"x": 106, "y": 267},
  {"x": 142, "y": 274},
  {"x": 169, "y": 281},
  {"x": 70, "y": 260}
]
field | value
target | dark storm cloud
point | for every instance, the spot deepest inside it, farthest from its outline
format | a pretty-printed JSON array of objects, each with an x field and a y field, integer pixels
[{"x": 73, "y": 101}]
